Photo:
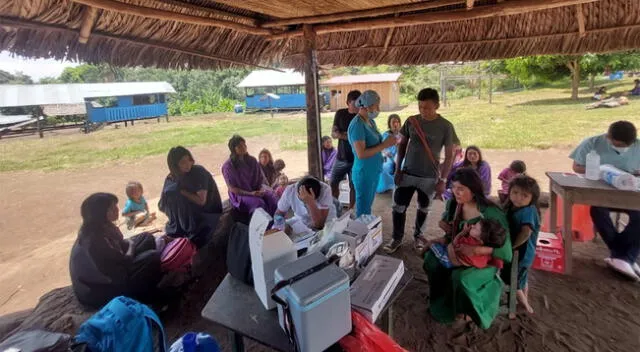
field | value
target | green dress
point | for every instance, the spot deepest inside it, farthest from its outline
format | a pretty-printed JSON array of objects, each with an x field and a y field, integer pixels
[{"x": 471, "y": 291}]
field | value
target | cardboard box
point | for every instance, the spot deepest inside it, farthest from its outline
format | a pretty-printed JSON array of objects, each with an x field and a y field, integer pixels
[
  {"x": 356, "y": 235},
  {"x": 374, "y": 235},
  {"x": 549, "y": 253},
  {"x": 267, "y": 253},
  {"x": 373, "y": 288}
]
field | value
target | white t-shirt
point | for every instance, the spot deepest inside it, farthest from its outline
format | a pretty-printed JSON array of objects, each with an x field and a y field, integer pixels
[{"x": 290, "y": 200}]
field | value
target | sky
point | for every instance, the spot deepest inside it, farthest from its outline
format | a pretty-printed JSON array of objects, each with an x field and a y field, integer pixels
[{"x": 37, "y": 69}]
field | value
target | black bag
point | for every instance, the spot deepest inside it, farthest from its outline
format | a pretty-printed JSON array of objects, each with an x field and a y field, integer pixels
[{"x": 239, "y": 255}]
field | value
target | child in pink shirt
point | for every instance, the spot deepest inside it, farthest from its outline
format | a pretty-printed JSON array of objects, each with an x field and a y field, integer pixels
[{"x": 517, "y": 168}]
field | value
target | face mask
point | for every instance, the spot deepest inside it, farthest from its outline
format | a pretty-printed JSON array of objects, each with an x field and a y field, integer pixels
[{"x": 373, "y": 114}]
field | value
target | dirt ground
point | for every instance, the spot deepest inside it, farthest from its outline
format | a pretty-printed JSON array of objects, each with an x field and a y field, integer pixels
[{"x": 592, "y": 310}]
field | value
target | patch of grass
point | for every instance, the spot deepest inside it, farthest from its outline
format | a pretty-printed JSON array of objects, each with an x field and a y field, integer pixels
[{"x": 539, "y": 118}]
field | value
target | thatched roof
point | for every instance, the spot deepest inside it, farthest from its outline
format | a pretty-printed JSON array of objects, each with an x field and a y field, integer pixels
[{"x": 222, "y": 33}]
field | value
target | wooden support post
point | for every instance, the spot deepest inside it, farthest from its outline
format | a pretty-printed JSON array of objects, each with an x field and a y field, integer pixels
[
  {"x": 479, "y": 87},
  {"x": 443, "y": 87},
  {"x": 88, "y": 20},
  {"x": 490, "y": 88},
  {"x": 313, "y": 108},
  {"x": 39, "y": 115}
]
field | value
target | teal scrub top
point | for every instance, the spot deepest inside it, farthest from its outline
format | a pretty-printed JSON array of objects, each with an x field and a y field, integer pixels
[{"x": 362, "y": 131}]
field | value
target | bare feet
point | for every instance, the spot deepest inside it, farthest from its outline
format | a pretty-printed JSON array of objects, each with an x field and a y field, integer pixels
[{"x": 524, "y": 300}]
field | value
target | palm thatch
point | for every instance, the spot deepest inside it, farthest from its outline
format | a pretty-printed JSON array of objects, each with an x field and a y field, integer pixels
[{"x": 226, "y": 33}]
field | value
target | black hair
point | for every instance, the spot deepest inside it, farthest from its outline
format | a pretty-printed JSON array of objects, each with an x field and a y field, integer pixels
[
  {"x": 279, "y": 165},
  {"x": 326, "y": 138},
  {"x": 466, "y": 161},
  {"x": 353, "y": 95},
  {"x": 623, "y": 131},
  {"x": 469, "y": 178},
  {"x": 391, "y": 118},
  {"x": 493, "y": 234},
  {"x": 429, "y": 94},
  {"x": 527, "y": 184},
  {"x": 311, "y": 183},
  {"x": 235, "y": 141},
  {"x": 518, "y": 166},
  {"x": 94, "y": 213},
  {"x": 173, "y": 159},
  {"x": 266, "y": 151}
]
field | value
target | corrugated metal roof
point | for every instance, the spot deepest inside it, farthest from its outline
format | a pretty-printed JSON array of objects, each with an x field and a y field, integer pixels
[
  {"x": 10, "y": 120},
  {"x": 268, "y": 78},
  {"x": 75, "y": 93},
  {"x": 370, "y": 78}
]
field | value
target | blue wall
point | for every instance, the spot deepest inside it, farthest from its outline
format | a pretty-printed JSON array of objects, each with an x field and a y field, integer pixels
[
  {"x": 125, "y": 111},
  {"x": 286, "y": 101}
]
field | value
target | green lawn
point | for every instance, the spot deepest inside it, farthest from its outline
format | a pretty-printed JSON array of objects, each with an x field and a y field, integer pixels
[{"x": 540, "y": 118}]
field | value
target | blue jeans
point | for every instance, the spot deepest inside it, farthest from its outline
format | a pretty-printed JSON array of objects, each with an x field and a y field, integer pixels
[{"x": 623, "y": 245}]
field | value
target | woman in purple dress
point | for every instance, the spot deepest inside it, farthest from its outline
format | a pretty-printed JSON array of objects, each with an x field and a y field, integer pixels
[
  {"x": 246, "y": 181},
  {"x": 472, "y": 159},
  {"x": 329, "y": 154}
]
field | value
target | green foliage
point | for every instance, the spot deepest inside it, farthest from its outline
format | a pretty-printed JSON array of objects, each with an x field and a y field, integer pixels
[{"x": 15, "y": 78}]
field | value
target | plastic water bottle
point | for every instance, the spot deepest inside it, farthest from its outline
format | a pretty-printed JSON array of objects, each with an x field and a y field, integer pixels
[
  {"x": 278, "y": 222},
  {"x": 618, "y": 178},
  {"x": 593, "y": 166}
]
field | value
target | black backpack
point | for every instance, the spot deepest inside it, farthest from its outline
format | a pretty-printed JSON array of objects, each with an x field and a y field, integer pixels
[{"x": 239, "y": 255}]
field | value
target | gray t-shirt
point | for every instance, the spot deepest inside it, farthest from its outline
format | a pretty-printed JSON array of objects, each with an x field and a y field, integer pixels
[{"x": 439, "y": 134}]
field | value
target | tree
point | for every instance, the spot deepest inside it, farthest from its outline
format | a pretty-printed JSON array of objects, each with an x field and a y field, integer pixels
[{"x": 15, "y": 78}]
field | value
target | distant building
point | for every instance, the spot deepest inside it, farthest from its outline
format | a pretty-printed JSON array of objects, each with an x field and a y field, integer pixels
[
  {"x": 102, "y": 102},
  {"x": 386, "y": 84},
  {"x": 287, "y": 86}
]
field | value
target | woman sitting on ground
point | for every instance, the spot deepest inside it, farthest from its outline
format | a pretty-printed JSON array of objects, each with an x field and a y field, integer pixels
[
  {"x": 472, "y": 159},
  {"x": 386, "y": 181},
  {"x": 190, "y": 199},
  {"x": 246, "y": 181},
  {"x": 267, "y": 166},
  {"x": 103, "y": 265},
  {"x": 467, "y": 292}
]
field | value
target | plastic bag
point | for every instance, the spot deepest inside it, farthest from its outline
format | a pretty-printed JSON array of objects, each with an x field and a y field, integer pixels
[
  {"x": 195, "y": 342},
  {"x": 367, "y": 337}
]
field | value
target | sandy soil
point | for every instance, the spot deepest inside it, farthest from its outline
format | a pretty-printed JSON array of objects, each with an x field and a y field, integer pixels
[{"x": 40, "y": 215}]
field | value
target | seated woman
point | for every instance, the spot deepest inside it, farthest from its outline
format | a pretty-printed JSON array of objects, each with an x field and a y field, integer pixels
[
  {"x": 472, "y": 159},
  {"x": 386, "y": 181},
  {"x": 268, "y": 168},
  {"x": 190, "y": 199},
  {"x": 103, "y": 265},
  {"x": 311, "y": 202},
  {"x": 329, "y": 154},
  {"x": 467, "y": 291},
  {"x": 246, "y": 181}
]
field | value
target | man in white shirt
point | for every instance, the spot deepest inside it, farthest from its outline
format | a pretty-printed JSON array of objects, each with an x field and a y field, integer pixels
[{"x": 311, "y": 202}]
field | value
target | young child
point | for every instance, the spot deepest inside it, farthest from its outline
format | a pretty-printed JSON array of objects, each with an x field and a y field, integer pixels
[
  {"x": 136, "y": 210},
  {"x": 486, "y": 233},
  {"x": 279, "y": 165},
  {"x": 517, "y": 167},
  {"x": 524, "y": 224},
  {"x": 283, "y": 181}
]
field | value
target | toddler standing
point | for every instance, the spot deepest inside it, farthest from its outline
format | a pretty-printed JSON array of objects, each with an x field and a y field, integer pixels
[{"x": 517, "y": 167}]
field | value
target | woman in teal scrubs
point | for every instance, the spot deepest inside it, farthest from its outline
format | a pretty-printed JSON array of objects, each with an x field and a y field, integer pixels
[{"x": 367, "y": 145}]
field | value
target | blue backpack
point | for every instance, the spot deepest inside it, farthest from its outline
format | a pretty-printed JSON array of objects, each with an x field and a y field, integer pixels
[{"x": 123, "y": 324}]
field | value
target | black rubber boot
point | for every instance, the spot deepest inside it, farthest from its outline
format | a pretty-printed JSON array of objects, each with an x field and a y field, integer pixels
[{"x": 421, "y": 220}]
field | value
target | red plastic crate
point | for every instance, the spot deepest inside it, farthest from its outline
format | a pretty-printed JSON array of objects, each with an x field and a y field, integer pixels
[{"x": 550, "y": 253}]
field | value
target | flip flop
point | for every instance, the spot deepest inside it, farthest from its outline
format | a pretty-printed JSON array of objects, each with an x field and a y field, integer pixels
[{"x": 622, "y": 267}]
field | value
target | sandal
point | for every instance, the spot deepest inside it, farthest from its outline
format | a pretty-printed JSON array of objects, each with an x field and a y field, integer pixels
[{"x": 420, "y": 243}]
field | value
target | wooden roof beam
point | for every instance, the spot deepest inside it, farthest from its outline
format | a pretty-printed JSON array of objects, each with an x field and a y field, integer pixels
[
  {"x": 381, "y": 11},
  {"x": 580, "y": 18},
  {"x": 185, "y": 5},
  {"x": 135, "y": 10},
  {"x": 39, "y": 26},
  {"x": 508, "y": 8},
  {"x": 89, "y": 16}
]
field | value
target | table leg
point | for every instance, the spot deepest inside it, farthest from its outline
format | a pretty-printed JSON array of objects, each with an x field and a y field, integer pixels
[
  {"x": 237, "y": 342},
  {"x": 553, "y": 209},
  {"x": 390, "y": 321},
  {"x": 568, "y": 234}
]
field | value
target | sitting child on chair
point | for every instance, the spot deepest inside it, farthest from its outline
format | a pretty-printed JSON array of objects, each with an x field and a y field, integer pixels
[
  {"x": 484, "y": 233},
  {"x": 136, "y": 210}
]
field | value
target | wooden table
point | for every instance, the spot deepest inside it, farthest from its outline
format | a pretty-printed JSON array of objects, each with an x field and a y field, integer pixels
[
  {"x": 236, "y": 306},
  {"x": 575, "y": 189}
]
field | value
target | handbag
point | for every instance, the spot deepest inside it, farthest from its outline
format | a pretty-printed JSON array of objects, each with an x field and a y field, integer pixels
[{"x": 178, "y": 255}]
